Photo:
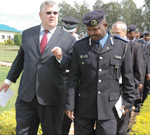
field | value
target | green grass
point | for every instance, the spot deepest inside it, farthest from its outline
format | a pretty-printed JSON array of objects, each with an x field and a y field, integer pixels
[
  {"x": 8, "y": 53},
  {"x": 14, "y": 87}
]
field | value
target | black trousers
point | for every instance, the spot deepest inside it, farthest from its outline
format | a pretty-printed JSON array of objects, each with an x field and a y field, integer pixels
[
  {"x": 84, "y": 126},
  {"x": 122, "y": 124},
  {"x": 66, "y": 125},
  {"x": 146, "y": 90},
  {"x": 30, "y": 114}
]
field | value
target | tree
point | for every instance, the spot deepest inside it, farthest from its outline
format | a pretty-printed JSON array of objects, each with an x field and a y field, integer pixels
[
  {"x": 78, "y": 11},
  {"x": 98, "y": 4},
  {"x": 131, "y": 14},
  {"x": 112, "y": 12},
  {"x": 146, "y": 15}
]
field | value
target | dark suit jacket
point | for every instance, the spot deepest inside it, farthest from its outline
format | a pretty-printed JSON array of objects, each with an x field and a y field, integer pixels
[
  {"x": 99, "y": 72},
  {"x": 42, "y": 75},
  {"x": 138, "y": 66}
]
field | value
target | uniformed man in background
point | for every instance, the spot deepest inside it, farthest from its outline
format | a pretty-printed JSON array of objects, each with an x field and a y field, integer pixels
[
  {"x": 131, "y": 35},
  {"x": 120, "y": 28},
  {"x": 69, "y": 25},
  {"x": 97, "y": 62}
]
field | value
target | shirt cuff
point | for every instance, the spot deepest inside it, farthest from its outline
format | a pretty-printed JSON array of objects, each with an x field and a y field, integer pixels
[
  {"x": 59, "y": 60},
  {"x": 8, "y": 81}
]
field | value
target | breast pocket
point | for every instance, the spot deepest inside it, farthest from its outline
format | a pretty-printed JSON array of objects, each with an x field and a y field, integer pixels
[
  {"x": 115, "y": 69},
  {"x": 85, "y": 67}
]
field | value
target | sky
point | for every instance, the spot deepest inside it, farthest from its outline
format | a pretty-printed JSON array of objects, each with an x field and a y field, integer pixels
[{"x": 23, "y": 14}]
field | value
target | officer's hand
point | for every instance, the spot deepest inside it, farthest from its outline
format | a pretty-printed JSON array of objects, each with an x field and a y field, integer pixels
[
  {"x": 57, "y": 52},
  {"x": 140, "y": 86},
  {"x": 4, "y": 86},
  {"x": 148, "y": 77},
  {"x": 70, "y": 114},
  {"x": 125, "y": 110}
]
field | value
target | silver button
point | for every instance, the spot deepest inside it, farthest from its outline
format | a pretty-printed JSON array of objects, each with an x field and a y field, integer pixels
[
  {"x": 100, "y": 70},
  {"x": 99, "y": 81},
  {"x": 100, "y": 58},
  {"x": 99, "y": 92},
  {"x": 79, "y": 94},
  {"x": 82, "y": 62}
]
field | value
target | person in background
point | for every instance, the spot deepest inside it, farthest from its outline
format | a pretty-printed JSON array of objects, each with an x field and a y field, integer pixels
[
  {"x": 138, "y": 34},
  {"x": 69, "y": 25},
  {"x": 131, "y": 33},
  {"x": 120, "y": 28},
  {"x": 43, "y": 58},
  {"x": 97, "y": 61}
]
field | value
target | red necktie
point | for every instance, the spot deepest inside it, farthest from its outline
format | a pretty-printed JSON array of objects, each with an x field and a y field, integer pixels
[{"x": 43, "y": 42}]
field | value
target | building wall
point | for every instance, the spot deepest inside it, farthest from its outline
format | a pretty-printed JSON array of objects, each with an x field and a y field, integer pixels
[{"x": 4, "y": 35}]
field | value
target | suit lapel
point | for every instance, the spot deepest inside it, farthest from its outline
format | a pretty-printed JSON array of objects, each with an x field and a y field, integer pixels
[
  {"x": 55, "y": 37},
  {"x": 107, "y": 47},
  {"x": 93, "y": 46},
  {"x": 36, "y": 34}
]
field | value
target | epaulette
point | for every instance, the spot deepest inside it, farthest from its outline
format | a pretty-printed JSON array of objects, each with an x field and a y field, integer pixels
[
  {"x": 142, "y": 41},
  {"x": 116, "y": 36},
  {"x": 82, "y": 38}
]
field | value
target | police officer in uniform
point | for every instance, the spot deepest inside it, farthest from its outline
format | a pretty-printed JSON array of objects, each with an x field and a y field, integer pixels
[
  {"x": 146, "y": 47},
  {"x": 69, "y": 25},
  {"x": 97, "y": 62},
  {"x": 131, "y": 35}
]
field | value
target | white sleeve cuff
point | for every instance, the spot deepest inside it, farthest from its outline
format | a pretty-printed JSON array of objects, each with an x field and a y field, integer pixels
[
  {"x": 8, "y": 81},
  {"x": 59, "y": 60}
]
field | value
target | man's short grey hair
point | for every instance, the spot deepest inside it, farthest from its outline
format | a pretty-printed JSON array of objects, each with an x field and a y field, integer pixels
[
  {"x": 122, "y": 24},
  {"x": 49, "y": 3}
]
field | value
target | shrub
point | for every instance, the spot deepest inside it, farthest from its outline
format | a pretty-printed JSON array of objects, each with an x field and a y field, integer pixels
[
  {"x": 18, "y": 39},
  {"x": 8, "y": 123},
  {"x": 142, "y": 126}
]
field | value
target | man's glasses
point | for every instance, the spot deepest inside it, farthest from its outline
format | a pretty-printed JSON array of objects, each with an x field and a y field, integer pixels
[{"x": 49, "y": 13}]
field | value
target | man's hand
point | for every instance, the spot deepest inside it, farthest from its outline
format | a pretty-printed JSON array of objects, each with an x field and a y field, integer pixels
[
  {"x": 147, "y": 77},
  {"x": 70, "y": 114},
  {"x": 57, "y": 52},
  {"x": 140, "y": 86},
  {"x": 125, "y": 110},
  {"x": 4, "y": 86}
]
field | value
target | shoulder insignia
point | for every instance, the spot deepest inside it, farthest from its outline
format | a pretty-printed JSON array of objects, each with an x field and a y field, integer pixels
[
  {"x": 116, "y": 36},
  {"x": 111, "y": 40}
]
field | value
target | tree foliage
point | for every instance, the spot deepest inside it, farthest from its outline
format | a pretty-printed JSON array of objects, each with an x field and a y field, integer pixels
[{"x": 125, "y": 11}]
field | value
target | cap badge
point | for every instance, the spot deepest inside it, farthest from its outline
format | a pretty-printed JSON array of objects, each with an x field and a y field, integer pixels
[
  {"x": 93, "y": 22},
  {"x": 68, "y": 25},
  {"x": 128, "y": 30}
]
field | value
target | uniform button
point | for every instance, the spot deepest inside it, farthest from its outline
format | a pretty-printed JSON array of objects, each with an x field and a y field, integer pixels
[
  {"x": 99, "y": 92},
  {"x": 99, "y": 81},
  {"x": 100, "y": 70},
  {"x": 100, "y": 58},
  {"x": 79, "y": 94},
  {"x": 82, "y": 62}
]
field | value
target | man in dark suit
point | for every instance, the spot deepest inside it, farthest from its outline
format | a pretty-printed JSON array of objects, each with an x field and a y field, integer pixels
[
  {"x": 41, "y": 93},
  {"x": 120, "y": 28},
  {"x": 97, "y": 62}
]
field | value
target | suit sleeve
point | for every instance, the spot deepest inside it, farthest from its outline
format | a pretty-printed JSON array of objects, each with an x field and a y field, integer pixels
[
  {"x": 138, "y": 66},
  {"x": 73, "y": 80},
  {"x": 67, "y": 57},
  {"x": 128, "y": 80},
  {"x": 17, "y": 65}
]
